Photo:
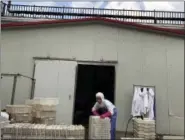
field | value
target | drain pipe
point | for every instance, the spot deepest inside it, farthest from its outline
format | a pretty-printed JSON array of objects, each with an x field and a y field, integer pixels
[{"x": 15, "y": 82}]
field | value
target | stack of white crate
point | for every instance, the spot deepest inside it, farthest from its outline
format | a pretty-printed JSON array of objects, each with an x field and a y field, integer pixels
[
  {"x": 99, "y": 128},
  {"x": 65, "y": 132},
  {"x": 3, "y": 122},
  {"x": 144, "y": 128},
  {"x": 20, "y": 113},
  {"x": 24, "y": 131},
  {"x": 44, "y": 110},
  {"x": 41, "y": 131}
]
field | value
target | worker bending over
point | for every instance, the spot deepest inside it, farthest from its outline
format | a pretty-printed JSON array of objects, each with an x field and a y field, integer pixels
[
  {"x": 104, "y": 108},
  {"x": 4, "y": 114}
]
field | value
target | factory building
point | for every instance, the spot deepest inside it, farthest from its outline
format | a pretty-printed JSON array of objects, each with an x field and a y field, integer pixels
[{"x": 74, "y": 59}]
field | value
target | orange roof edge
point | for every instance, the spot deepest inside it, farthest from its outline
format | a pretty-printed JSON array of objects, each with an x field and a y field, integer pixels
[{"x": 137, "y": 25}]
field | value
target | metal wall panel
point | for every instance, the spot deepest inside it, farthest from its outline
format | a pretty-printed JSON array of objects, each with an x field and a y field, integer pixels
[
  {"x": 22, "y": 85},
  {"x": 153, "y": 68},
  {"x": 46, "y": 75},
  {"x": 6, "y": 91},
  {"x": 106, "y": 44},
  {"x": 175, "y": 57},
  {"x": 56, "y": 79},
  {"x": 66, "y": 89}
]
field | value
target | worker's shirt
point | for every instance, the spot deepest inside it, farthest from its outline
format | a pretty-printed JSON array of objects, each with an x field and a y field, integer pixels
[
  {"x": 104, "y": 104},
  {"x": 5, "y": 115}
]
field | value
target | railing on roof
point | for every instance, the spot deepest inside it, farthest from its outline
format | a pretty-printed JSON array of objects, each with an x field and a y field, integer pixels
[
  {"x": 2, "y": 8},
  {"x": 47, "y": 12}
]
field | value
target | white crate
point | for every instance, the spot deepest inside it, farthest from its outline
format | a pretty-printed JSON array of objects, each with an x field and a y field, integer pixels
[
  {"x": 48, "y": 121},
  {"x": 144, "y": 122},
  {"x": 13, "y": 109},
  {"x": 40, "y": 131},
  {"x": 43, "y": 101},
  {"x": 99, "y": 128},
  {"x": 144, "y": 128},
  {"x": 45, "y": 107},
  {"x": 3, "y": 124},
  {"x": 44, "y": 114},
  {"x": 29, "y": 102},
  {"x": 23, "y": 118}
]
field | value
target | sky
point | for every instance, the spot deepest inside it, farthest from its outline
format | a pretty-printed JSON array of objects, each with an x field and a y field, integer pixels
[{"x": 135, "y": 5}]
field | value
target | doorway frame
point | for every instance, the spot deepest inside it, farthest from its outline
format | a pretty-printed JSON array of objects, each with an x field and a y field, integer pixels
[
  {"x": 94, "y": 64},
  {"x": 100, "y": 63}
]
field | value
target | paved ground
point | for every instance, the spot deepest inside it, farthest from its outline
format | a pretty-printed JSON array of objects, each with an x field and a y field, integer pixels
[
  {"x": 118, "y": 134},
  {"x": 122, "y": 134}
]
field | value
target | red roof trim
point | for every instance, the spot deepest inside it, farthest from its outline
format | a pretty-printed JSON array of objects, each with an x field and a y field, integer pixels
[{"x": 48, "y": 22}]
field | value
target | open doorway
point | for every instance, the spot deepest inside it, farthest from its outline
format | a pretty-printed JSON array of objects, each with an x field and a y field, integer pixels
[{"x": 90, "y": 80}]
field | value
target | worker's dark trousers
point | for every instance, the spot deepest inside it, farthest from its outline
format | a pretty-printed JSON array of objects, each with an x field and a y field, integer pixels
[{"x": 113, "y": 125}]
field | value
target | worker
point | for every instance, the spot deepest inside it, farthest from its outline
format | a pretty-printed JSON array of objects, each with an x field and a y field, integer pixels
[
  {"x": 104, "y": 108},
  {"x": 4, "y": 114}
]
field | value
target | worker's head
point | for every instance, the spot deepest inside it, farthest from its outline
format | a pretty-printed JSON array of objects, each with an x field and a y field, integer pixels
[
  {"x": 99, "y": 97},
  {"x": 3, "y": 110}
]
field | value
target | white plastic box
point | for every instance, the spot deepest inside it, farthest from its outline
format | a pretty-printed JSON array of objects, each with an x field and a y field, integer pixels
[
  {"x": 43, "y": 101},
  {"x": 41, "y": 131},
  {"x": 22, "y": 118},
  {"x": 144, "y": 128},
  {"x": 45, "y": 114},
  {"x": 48, "y": 121},
  {"x": 99, "y": 128},
  {"x": 15, "y": 109}
]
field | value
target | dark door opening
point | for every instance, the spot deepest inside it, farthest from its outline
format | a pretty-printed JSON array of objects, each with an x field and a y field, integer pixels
[{"x": 90, "y": 80}]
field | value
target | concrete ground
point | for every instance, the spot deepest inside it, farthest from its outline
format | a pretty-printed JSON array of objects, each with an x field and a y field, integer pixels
[{"x": 119, "y": 134}]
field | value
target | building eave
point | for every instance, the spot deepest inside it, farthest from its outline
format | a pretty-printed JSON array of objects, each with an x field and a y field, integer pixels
[{"x": 172, "y": 31}]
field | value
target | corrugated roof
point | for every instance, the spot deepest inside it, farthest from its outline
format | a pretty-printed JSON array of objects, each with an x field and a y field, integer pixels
[{"x": 173, "y": 31}]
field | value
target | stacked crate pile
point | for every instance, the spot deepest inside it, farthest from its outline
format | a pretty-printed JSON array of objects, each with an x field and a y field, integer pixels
[
  {"x": 44, "y": 110},
  {"x": 20, "y": 113},
  {"x": 65, "y": 132},
  {"x": 3, "y": 122},
  {"x": 41, "y": 131},
  {"x": 144, "y": 128},
  {"x": 99, "y": 128}
]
